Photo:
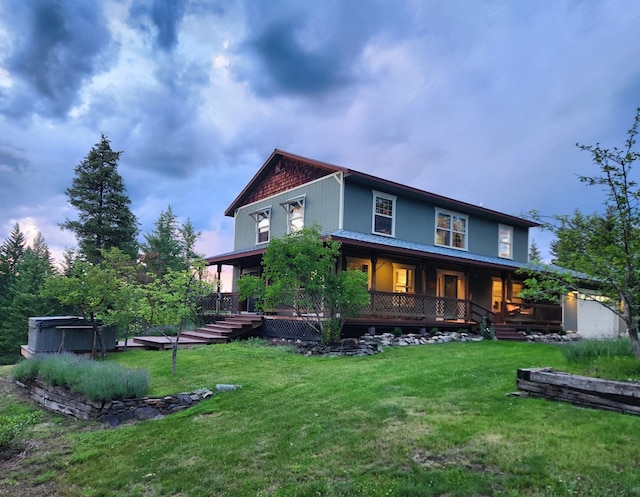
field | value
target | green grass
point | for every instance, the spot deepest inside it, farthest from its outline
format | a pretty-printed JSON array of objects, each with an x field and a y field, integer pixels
[
  {"x": 413, "y": 421},
  {"x": 607, "y": 358}
]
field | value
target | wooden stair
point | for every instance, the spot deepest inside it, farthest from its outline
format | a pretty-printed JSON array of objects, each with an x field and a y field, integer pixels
[
  {"x": 508, "y": 332},
  {"x": 222, "y": 331},
  {"x": 231, "y": 327}
]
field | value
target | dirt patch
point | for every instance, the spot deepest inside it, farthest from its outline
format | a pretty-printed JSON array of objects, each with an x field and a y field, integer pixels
[{"x": 34, "y": 466}]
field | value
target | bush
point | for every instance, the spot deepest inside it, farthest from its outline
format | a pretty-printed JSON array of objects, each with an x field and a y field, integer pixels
[
  {"x": 13, "y": 427},
  {"x": 585, "y": 351},
  {"x": 95, "y": 380}
]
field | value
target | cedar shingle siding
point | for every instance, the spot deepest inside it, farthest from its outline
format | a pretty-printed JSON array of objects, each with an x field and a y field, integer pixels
[{"x": 287, "y": 173}]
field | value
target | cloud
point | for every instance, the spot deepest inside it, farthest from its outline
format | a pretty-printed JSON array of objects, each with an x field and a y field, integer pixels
[
  {"x": 161, "y": 18},
  {"x": 57, "y": 45},
  {"x": 296, "y": 51}
]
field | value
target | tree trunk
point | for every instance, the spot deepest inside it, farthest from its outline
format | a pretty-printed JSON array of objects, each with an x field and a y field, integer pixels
[
  {"x": 98, "y": 331},
  {"x": 635, "y": 344}
]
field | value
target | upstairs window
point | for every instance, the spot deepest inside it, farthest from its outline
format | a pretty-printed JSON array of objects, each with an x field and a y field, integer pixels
[
  {"x": 384, "y": 211},
  {"x": 295, "y": 214},
  {"x": 451, "y": 229},
  {"x": 505, "y": 241},
  {"x": 262, "y": 219}
]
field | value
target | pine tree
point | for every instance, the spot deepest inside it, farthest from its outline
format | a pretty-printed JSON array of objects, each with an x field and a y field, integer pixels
[
  {"x": 11, "y": 250},
  {"x": 535, "y": 255},
  {"x": 24, "y": 300},
  {"x": 98, "y": 193},
  {"x": 170, "y": 246}
]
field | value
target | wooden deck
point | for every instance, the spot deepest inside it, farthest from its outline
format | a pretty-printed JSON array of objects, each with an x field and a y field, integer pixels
[{"x": 221, "y": 332}]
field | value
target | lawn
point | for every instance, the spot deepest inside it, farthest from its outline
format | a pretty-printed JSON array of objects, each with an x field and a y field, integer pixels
[{"x": 412, "y": 421}]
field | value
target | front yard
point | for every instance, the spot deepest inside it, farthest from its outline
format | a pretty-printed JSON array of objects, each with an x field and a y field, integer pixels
[{"x": 412, "y": 421}]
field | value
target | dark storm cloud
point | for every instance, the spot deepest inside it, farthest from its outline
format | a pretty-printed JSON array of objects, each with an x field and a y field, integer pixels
[
  {"x": 57, "y": 45},
  {"x": 165, "y": 16},
  {"x": 299, "y": 51}
]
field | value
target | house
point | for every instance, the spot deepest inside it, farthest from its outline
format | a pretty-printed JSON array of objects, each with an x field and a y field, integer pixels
[{"x": 431, "y": 261}]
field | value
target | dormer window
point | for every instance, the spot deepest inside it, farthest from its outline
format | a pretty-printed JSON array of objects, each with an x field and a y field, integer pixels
[
  {"x": 262, "y": 218},
  {"x": 384, "y": 211},
  {"x": 295, "y": 213},
  {"x": 451, "y": 229}
]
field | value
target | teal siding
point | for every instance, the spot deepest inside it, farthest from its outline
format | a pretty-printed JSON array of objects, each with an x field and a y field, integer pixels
[
  {"x": 322, "y": 206},
  {"x": 415, "y": 222}
]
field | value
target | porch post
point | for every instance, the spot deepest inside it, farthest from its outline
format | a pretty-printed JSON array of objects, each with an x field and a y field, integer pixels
[{"x": 374, "y": 263}]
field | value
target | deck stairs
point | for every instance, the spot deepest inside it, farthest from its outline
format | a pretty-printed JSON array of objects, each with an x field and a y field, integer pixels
[
  {"x": 509, "y": 332},
  {"x": 223, "y": 331}
]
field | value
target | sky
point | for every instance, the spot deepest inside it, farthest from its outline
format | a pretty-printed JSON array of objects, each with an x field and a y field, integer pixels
[{"x": 483, "y": 101}]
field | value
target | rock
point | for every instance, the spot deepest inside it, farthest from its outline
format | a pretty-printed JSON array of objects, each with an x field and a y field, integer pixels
[
  {"x": 145, "y": 413},
  {"x": 225, "y": 388}
]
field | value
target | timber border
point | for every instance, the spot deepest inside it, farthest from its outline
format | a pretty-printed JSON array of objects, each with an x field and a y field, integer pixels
[{"x": 612, "y": 395}]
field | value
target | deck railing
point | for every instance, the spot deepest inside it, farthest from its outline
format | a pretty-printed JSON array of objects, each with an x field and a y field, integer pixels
[
  {"x": 523, "y": 313},
  {"x": 416, "y": 306}
]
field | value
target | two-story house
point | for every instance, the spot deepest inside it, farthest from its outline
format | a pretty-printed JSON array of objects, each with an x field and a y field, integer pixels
[{"x": 430, "y": 260}]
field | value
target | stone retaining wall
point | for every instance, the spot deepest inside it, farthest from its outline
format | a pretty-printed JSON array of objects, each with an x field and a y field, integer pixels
[{"x": 113, "y": 412}]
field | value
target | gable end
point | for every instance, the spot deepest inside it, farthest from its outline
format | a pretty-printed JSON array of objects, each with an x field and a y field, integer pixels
[{"x": 287, "y": 173}]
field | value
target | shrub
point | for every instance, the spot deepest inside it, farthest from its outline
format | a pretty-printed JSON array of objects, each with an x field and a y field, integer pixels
[
  {"x": 13, "y": 427},
  {"x": 96, "y": 380}
]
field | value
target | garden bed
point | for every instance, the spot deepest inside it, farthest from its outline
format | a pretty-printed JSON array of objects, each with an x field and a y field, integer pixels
[
  {"x": 112, "y": 412},
  {"x": 613, "y": 395}
]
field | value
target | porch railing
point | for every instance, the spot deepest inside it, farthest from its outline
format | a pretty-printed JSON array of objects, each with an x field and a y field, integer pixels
[
  {"x": 224, "y": 303},
  {"x": 416, "y": 306},
  {"x": 523, "y": 313}
]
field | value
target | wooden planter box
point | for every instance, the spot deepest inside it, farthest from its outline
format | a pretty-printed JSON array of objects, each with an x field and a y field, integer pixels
[{"x": 621, "y": 396}]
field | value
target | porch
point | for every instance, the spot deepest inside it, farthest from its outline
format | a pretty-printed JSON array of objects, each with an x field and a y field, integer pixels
[{"x": 413, "y": 310}]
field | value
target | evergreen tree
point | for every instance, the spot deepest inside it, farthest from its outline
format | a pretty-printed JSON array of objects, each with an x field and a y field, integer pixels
[
  {"x": 11, "y": 250},
  {"x": 170, "y": 246},
  {"x": 104, "y": 217},
  {"x": 24, "y": 299},
  {"x": 535, "y": 255}
]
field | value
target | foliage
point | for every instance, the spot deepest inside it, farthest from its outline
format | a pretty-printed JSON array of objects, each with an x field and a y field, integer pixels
[
  {"x": 535, "y": 256},
  {"x": 170, "y": 246},
  {"x": 605, "y": 248},
  {"x": 588, "y": 350},
  {"x": 12, "y": 428},
  {"x": 98, "y": 193},
  {"x": 605, "y": 358},
  {"x": 299, "y": 273},
  {"x": 95, "y": 290},
  {"x": 95, "y": 380},
  {"x": 175, "y": 299},
  {"x": 23, "y": 271}
]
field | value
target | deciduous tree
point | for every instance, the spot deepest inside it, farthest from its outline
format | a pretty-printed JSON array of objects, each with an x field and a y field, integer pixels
[
  {"x": 300, "y": 273},
  {"x": 605, "y": 248}
]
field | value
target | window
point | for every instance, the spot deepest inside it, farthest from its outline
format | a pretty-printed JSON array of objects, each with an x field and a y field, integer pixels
[
  {"x": 403, "y": 278},
  {"x": 505, "y": 241},
  {"x": 262, "y": 219},
  {"x": 383, "y": 214},
  {"x": 451, "y": 229},
  {"x": 295, "y": 214}
]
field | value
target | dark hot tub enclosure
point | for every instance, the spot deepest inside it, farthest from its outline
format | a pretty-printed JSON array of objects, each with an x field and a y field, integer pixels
[{"x": 55, "y": 334}]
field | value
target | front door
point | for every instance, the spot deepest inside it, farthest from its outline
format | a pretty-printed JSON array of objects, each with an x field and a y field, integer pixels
[{"x": 451, "y": 286}]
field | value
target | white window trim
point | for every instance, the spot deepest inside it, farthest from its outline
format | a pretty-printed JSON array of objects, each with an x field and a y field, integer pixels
[
  {"x": 257, "y": 216},
  {"x": 287, "y": 204},
  {"x": 510, "y": 242},
  {"x": 466, "y": 234},
  {"x": 393, "y": 199}
]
